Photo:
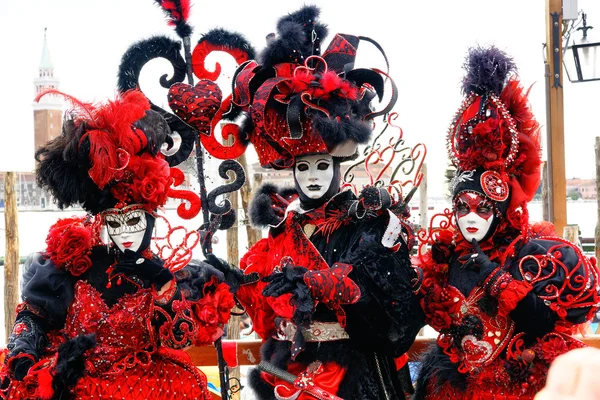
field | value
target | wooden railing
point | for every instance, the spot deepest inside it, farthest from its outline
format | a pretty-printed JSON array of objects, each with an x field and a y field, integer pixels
[{"x": 248, "y": 352}]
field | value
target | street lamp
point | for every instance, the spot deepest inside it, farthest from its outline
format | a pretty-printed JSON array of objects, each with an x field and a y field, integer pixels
[{"x": 582, "y": 58}]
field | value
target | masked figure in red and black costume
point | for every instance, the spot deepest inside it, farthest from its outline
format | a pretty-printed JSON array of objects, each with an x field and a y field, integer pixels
[
  {"x": 110, "y": 320},
  {"x": 504, "y": 295},
  {"x": 335, "y": 303}
]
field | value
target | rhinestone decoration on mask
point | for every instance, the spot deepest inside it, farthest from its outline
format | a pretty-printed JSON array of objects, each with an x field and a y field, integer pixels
[{"x": 122, "y": 216}]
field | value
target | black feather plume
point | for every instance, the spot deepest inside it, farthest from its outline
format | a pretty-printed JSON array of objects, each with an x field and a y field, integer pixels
[
  {"x": 488, "y": 69},
  {"x": 139, "y": 53},
  {"x": 295, "y": 40}
]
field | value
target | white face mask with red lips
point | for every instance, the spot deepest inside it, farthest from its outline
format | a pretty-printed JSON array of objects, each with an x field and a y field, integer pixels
[
  {"x": 474, "y": 215},
  {"x": 126, "y": 228}
]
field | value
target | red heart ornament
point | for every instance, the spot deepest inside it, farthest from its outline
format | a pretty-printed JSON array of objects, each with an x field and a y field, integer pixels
[
  {"x": 196, "y": 105},
  {"x": 477, "y": 352}
]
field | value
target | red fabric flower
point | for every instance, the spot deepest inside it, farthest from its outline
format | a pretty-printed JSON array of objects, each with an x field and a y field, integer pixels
[
  {"x": 80, "y": 265},
  {"x": 69, "y": 241},
  {"x": 152, "y": 179},
  {"x": 212, "y": 311},
  {"x": 551, "y": 348}
]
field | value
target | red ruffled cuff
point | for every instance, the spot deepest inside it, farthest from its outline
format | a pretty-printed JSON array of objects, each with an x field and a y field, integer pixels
[{"x": 511, "y": 295}]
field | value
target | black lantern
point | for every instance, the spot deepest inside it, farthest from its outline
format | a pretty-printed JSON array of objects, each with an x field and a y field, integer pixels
[{"x": 582, "y": 57}]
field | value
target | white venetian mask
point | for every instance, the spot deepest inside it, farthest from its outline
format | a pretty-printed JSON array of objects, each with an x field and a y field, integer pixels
[
  {"x": 313, "y": 174},
  {"x": 126, "y": 228},
  {"x": 474, "y": 215}
]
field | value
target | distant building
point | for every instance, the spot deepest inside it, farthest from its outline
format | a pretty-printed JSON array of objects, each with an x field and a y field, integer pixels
[
  {"x": 47, "y": 113},
  {"x": 586, "y": 188},
  {"x": 47, "y": 117}
]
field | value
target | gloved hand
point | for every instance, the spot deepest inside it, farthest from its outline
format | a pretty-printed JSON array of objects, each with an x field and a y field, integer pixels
[
  {"x": 283, "y": 282},
  {"x": 374, "y": 198},
  {"x": 478, "y": 260},
  {"x": 19, "y": 366},
  {"x": 234, "y": 277},
  {"x": 151, "y": 270}
]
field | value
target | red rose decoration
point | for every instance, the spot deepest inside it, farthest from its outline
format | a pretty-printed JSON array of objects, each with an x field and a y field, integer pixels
[
  {"x": 152, "y": 181},
  {"x": 440, "y": 320},
  {"x": 80, "y": 265},
  {"x": 212, "y": 311},
  {"x": 69, "y": 241},
  {"x": 440, "y": 304},
  {"x": 224, "y": 302},
  {"x": 207, "y": 314}
]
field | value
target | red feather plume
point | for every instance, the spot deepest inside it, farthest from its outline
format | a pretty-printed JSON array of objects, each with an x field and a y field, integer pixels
[{"x": 177, "y": 12}]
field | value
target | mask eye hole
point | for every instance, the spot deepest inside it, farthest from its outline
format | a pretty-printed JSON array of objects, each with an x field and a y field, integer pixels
[
  {"x": 113, "y": 224},
  {"x": 302, "y": 167},
  {"x": 484, "y": 210},
  {"x": 133, "y": 221},
  {"x": 323, "y": 166},
  {"x": 463, "y": 208}
]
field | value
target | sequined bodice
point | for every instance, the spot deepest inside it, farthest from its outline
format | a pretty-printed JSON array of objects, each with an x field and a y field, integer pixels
[{"x": 124, "y": 334}]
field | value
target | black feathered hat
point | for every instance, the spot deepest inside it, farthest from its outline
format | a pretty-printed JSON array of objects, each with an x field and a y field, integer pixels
[{"x": 300, "y": 101}]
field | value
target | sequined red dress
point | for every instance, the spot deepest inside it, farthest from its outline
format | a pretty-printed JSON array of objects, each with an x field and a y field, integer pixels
[{"x": 139, "y": 337}]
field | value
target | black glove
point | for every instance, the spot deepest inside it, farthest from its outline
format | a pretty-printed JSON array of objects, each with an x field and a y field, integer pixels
[
  {"x": 478, "y": 260},
  {"x": 284, "y": 282},
  {"x": 234, "y": 277},
  {"x": 151, "y": 270},
  {"x": 20, "y": 366}
]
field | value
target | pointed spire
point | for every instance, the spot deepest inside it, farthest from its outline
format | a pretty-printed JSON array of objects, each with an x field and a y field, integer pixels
[
  {"x": 46, "y": 62},
  {"x": 46, "y": 79}
]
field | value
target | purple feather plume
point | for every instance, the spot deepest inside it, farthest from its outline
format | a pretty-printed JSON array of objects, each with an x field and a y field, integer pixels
[{"x": 488, "y": 69}]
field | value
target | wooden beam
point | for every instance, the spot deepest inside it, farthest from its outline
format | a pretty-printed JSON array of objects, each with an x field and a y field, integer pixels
[
  {"x": 11, "y": 260},
  {"x": 555, "y": 106},
  {"x": 248, "y": 351}
]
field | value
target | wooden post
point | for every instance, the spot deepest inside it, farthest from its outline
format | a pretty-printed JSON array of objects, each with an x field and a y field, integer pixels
[
  {"x": 11, "y": 260},
  {"x": 254, "y": 235},
  {"x": 423, "y": 205},
  {"x": 555, "y": 126},
  {"x": 597, "y": 235},
  {"x": 233, "y": 257},
  {"x": 545, "y": 198}
]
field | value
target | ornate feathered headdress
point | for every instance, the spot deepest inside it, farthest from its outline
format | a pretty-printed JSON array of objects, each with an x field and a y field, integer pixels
[
  {"x": 493, "y": 140},
  {"x": 299, "y": 101},
  {"x": 108, "y": 156}
]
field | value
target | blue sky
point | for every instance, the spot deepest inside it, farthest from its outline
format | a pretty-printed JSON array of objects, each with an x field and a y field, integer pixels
[{"x": 426, "y": 42}]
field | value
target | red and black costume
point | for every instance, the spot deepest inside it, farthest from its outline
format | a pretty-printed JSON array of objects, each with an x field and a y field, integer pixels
[
  {"x": 355, "y": 287},
  {"x": 335, "y": 303},
  {"x": 98, "y": 321},
  {"x": 505, "y": 306}
]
